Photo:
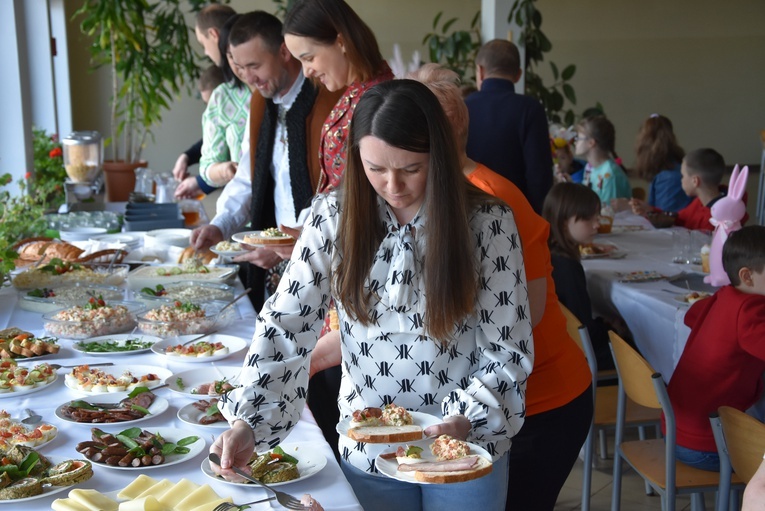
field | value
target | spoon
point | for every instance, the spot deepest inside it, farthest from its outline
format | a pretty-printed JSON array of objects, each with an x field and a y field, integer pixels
[
  {"x": 32, "y": 417},
  {"x": 59, "y": 366},
  {"x": 238, "y": 297}
]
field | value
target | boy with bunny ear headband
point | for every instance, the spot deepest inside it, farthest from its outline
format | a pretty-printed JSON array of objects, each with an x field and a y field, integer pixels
[{"x": 727, "y": 214}]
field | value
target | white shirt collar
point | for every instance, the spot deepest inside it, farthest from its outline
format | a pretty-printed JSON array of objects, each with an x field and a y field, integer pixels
[{"x": 287, "y": 99}]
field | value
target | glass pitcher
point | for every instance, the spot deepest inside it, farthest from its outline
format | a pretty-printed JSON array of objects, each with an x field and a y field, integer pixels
[{"x": 166, "y": 185}]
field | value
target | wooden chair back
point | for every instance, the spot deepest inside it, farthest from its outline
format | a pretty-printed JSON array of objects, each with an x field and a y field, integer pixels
[
  {"x": 636, "y": 374},
  {"x": 745, "y": 439}
]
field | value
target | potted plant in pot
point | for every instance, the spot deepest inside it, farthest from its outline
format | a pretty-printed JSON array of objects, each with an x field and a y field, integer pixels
[{"x": 145, "y": 43}]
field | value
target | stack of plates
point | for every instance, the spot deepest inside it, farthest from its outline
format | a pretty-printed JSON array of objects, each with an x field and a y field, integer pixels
[{"x": 131, "y": 240}]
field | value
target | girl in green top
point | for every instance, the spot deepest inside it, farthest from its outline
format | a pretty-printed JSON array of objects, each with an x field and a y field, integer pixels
[{"x": 595, "y": 140}]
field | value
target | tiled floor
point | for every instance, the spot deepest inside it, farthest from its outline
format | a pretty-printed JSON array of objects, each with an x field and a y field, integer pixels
[{"x": 633, "y": 490}]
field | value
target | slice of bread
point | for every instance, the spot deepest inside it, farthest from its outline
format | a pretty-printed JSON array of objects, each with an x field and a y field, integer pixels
[
  {"x": 386, "y": 434},
  {"x": 482, "y": 468},
  {"x": 267, "y": 238}
]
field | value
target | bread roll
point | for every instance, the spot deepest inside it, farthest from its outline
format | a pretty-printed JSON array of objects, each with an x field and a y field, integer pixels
[
  {"x": 49, "y": 250},
  {"x": 206, "y": 255}
]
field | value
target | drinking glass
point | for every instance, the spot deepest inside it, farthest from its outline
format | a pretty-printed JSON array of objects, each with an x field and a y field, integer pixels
[{"x": 681, "y": 246}]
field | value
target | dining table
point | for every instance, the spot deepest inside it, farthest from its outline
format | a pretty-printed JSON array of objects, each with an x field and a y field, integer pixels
[
  {"x": 327, "y": 485},
  {"x": 638, "y": 281}
]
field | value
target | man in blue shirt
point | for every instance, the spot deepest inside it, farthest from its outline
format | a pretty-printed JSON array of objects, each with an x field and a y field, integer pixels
[{"x": 508, "y": 132}]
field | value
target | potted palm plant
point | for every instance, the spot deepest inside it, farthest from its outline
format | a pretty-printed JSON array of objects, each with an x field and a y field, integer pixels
[{"x": 145, "y": 43}]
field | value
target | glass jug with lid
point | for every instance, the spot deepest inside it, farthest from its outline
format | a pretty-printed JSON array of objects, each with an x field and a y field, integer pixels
[{"x": 83, "y": 155}]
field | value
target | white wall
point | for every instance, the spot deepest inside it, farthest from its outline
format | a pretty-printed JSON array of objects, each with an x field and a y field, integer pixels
[{"x": 700, "y": 62}]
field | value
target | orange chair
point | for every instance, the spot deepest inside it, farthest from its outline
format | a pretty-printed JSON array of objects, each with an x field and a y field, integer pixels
[{"x": 653, "y": 460}]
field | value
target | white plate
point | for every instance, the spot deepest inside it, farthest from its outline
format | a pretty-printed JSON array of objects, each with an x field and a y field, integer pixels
[
  {"x": 138, "y": 370},
  {"x": 119, "y": 338},
  {"x": 37, "y": 388},
  {"x": 164, "y": 237},
  {"x": 47, "y": 490},
  {"x": 389, "y": 467},
  {"x": 193, "y": 378},
  {"x": 607, "y": 251},
  {"x": 190, "y": 415},
  {"x": 171, "y": 435},
  {"x": 239, "y": 238},
  {"x": 147, "y": 276},
  {"x": 32, "y": 427},
  {"x": 234, "y": 345},
  {"x": 682, "y": 301},
  {"x": 420, "y": 419},
  {"x": 130, "y": 239},
  {"x": 310, "y": 462},
  {"x": 159, "y": 406},
  {"x": 227, "y": 253}
]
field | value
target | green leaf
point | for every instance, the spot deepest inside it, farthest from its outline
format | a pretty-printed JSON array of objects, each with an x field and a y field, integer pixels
[
  {"x": 127, "y": 441},
  {"x": 131, "y": 432},
  {"x": 136, "y": 391},
  {"x": 554, "y": 70},
  {"x": 187, "y": 440},
  {"x": 168, "y": 448},
  {"x": 141, "y": 409},
  {"x": 536, "y": 18},
  {"x": 544, "y": 43},
  {"x": 568, "y": 72},
  {"x": 448, "y": 25},
  {"x": 436, "y": 19},
  {"x": 570, "y": 118},
  {"x": 29, "y": 462},
  {"x": 568, "y": 91}
]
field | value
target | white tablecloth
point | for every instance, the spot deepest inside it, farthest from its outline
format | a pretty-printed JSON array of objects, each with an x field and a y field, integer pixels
[
  {"x": 329, "y": 486},
  {"x": 650, "y": 309}
]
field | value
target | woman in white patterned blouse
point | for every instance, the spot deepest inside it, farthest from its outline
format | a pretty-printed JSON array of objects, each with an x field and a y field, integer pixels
[{"x": 427, "y": 273}]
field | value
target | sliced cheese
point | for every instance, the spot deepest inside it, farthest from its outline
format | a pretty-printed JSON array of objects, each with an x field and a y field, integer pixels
[
  {"x": 212, "y": 505},
  {"x": 156, "y": 490},
  {"x": 93, "y": 500},
  {"x": 200, "y": 496},
  {"x": 144, "y": 504},
  {"x": 177, "y": 493},
  {"x": 67, "y": 505},
  {"x": 137, "y": 487}
]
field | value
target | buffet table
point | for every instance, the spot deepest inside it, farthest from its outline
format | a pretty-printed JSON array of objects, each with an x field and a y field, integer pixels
[
  {"x": 328, "y": 486},
  {"x": 652, "y": 310}
]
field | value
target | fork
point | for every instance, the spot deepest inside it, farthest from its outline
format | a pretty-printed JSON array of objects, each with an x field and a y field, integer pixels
[
  {"x": 228, "y": 506},
  {"x": 284, "y": 499}
]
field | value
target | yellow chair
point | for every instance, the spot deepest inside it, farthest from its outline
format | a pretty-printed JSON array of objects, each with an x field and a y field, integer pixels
[
  {"x": 605, "y": 399},
  {"x": 653, "y": 460},
  {"x": 740, "y": 440}
]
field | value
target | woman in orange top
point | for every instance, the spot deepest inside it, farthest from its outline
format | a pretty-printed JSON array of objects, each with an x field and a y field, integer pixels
[{"x": 559, "y": 405}]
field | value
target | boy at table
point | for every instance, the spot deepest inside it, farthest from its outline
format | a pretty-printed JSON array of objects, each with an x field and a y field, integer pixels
[
  {"x": 702, "y": 172},
  {"x": 725, "y": 354}
]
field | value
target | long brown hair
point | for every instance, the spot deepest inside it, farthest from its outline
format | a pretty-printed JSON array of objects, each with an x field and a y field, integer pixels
[
  {"x": 656, "y": 147},
  {"x": 565, "y": 201},
  {"x": 405, "y": 114},
  {"x": 324, "y": 20}
]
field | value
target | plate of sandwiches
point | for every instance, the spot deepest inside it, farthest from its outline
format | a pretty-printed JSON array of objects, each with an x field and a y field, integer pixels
[
  {"x": 386, "y": 425},
  {"x": 266, "y": 238},
  {"x": 442, "y": 460}
]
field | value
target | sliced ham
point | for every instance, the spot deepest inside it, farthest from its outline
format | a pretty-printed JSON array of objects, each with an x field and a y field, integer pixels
[{"x": 466, "y": 463}]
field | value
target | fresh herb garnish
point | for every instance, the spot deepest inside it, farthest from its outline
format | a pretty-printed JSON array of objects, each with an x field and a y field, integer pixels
[
  {"x": 115, "y": 346},
  {"x": 179, "y": 383}
]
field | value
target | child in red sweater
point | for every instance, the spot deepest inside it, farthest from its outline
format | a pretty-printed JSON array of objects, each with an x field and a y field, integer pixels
[
  {"x": 723, "y": 361},
  {"x": 702, "y": 172}
]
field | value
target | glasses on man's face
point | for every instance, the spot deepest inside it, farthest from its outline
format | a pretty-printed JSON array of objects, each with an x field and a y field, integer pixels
[{"x": 579, "y": 137}]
